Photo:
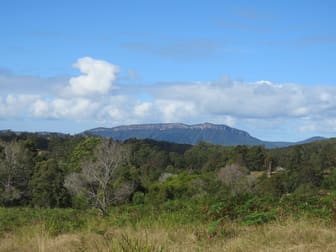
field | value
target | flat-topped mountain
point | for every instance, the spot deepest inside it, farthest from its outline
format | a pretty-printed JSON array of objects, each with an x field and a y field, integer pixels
[{"x": 188, "y": 134}]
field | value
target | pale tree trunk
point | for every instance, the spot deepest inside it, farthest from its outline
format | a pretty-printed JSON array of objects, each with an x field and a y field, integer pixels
[
  {"x": 10, "y": 168},
  {"x": 269, "y": 169},
  {"x": 99, "y": 172}
]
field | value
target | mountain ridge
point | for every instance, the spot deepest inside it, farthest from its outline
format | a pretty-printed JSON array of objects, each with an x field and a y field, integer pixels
[{"x": 190, "y": 134}]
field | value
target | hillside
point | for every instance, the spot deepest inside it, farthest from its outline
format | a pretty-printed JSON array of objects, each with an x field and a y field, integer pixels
[{"x": 189, "y": 134}]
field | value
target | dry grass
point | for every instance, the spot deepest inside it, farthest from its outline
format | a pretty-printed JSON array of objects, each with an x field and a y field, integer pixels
[{"x": 302, "y": 235}]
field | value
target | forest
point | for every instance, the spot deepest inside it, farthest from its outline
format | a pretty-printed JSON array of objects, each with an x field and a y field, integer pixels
[{"x": 65, "y": 184}]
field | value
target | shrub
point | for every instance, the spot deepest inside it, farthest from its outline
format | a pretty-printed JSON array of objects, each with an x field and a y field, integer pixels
[
  {"x": 259, "y": 217},
  {"x": 138, "y": 198}
]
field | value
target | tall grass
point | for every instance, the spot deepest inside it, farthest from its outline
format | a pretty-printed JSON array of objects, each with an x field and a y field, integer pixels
[
  {"x": 291, "y": 235},
  {"x": 172, "y": 227}
]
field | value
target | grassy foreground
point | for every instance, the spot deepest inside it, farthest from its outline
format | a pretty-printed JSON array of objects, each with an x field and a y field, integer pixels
[
  {"x": 70, "y": 230},
  {"x": 302, "y": 235}
]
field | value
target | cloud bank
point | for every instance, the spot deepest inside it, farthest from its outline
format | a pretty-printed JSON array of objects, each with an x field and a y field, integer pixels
[{"x": 95, "y": 96}]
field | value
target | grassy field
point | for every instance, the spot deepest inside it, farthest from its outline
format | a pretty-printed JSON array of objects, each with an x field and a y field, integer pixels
[
  {"x": 70, "y": 230},
  {"x": 300, "y": 235}
]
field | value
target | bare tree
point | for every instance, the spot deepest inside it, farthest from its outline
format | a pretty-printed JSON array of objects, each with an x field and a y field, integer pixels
[
  {"x": 236, "y": 178},
  {"x": 97, "y": 174},
  {"x": 14, "y": 164}
]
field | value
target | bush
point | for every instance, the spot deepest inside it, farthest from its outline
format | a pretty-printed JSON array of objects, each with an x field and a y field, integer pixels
[
  {"x": 58, "y": 221},
  {"x": 259, "y": 217},
  {"x": 182, "y": 186},
  {"x": 80, "y": 202},
  {"x": 138, "y": 198},
  {"x": 329, "y": 181},
  {"x": 55, "y": 221},
  {"x": 219, "y": 228}
]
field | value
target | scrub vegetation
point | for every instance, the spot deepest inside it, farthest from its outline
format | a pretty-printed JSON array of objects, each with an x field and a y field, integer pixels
[{"x": 83, "y": 193}]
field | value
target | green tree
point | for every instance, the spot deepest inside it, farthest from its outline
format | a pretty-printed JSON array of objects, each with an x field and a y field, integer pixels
[
  {"x": 240, "y": 154},
  {"x": 197, "y": 156},
  {"x": 255, "y": 158},
  {"x": 47, "y": 185},
  {"x": 82, "y": 151}
]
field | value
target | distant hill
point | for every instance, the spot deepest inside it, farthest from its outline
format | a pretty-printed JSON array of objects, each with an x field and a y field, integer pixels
[{"x": 189, "y": 134}]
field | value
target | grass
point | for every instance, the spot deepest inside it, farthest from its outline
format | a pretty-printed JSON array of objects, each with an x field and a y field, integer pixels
[
  {"x": 104, "y": 234},
  {"x": 171, "y": 226}
]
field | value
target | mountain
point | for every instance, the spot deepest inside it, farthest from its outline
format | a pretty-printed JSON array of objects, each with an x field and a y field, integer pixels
[
  {"x": 188, "y": 134},
  {"x": 310, "y": 140}
]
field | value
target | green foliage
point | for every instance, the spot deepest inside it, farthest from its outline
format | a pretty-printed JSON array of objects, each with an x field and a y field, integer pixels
[
  {"x": 82, "y": 151},
  {"x": 218, "y": 229},
  {"x": 80, "y": 201},
  {"x": 59, "y": 221},
  {"x": 240, "y": 206},
  {"x": 47, "y": 185},
  {"x": 60, "y": 147},
  {"x": 255, "y": 158},
  {"x": 55, "y": 221},
  {"x": 138, "y": 198},
  {"x": 97, "y": 175},
  {"x": 277, "y": 185},
  {"x": 329, "y": 181},
  {"x": 259, "y": 217},
  {"x": 206, "y": 157},
  {"x": 308, "y": 204},
  {"x": 239, "y": 154},
  {"x": 33, "y": 169},
  {"x": 178, "y": 187}
]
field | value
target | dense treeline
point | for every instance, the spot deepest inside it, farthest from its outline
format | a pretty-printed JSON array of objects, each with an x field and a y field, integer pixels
[{"x": 56, "y": 170}]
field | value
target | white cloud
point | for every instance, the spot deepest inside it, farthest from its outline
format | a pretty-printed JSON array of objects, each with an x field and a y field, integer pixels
[
  {"x": 228, "y": 120},
  {"x": 318, "y": 125},
  {"x": 40, "y": 108},
  {"x": 250, "y": 100},
  {"x": 97, "y": 78},
  {"x": 114, "y": 109},
  {"x": 91, "y": 97},
  {"x": 142, "y": 109},
  {"x": 15, "y": 105},
  {"x": 175, "y": 110},
  {"x": 59, "y": 108},
  {"x": 76, "y": 108}
]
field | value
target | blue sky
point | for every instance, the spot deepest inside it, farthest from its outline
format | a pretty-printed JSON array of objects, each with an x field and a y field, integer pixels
[{"x": 263, "y": 66}]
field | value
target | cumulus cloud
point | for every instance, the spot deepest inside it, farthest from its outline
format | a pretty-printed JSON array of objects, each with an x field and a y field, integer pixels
[
  {"x": 15, "y": 105},
  {"x": 251, "y": 100},
  {"x": 78, "y": 108},
  {"x": 40, "y": 108},
  {"x": 142, "y": 109},
  {"x": 175, "y": 110},
  {"x": 91, "y": 97},
  {"x": 97, "y": 78}
]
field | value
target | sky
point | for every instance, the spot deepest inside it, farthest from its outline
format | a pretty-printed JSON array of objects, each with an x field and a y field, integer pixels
[{"x": 266, "y": 67}]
